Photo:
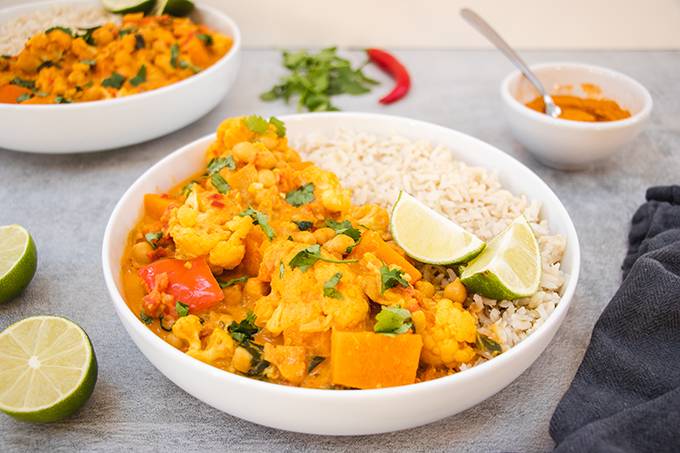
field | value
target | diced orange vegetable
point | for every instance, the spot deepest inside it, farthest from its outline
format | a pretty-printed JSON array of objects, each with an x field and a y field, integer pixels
[
  {"x": 290, "y": 360},
  {"x": 373, "y": 243},
  {"x": 9, "y": 93},
  {"x": 368, "y": 360},
  {"x": 155, "y": 204},
  {"x": 253, "y": 257}
]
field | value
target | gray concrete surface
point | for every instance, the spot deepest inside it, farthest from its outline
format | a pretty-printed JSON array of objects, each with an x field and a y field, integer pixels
[{"x": 65, "y": 202}]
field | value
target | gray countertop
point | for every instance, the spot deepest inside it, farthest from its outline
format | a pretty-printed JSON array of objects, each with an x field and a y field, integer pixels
[{"x": 65, "y": 202}]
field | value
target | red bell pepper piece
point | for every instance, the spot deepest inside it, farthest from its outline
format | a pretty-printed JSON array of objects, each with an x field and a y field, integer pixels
[{"x": 195, "y": 286}]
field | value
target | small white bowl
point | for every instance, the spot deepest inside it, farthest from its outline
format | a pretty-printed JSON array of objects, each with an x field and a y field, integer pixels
[
  {"x": 340, "y": 412},
  {"x": 113, "y": 123},
  {"x": 567, "y": 144}
]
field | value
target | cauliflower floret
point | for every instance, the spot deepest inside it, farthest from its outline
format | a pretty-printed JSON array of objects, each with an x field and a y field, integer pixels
[
  {"x": 371, "y": 216},
  {"x": 327, "y": 187},
  {"x": 219, "y": 344},
  {"x": 188, "y": 328},
  {"x": 447, "y": 335}
]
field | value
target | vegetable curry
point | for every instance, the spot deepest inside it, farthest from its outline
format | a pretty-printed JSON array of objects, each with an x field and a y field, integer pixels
[
  {"x": 262, "y": 266},
  {"x": 62, "y": 65}
]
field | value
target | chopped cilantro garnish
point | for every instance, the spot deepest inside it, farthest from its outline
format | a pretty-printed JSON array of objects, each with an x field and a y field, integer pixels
[
  {"x": 126, "y": 31},
  {"x": 329, "y": 288},
  {"x": 308, "y": 256},
  {"x": 487, "y": 344},
  {"x": 279, "y": 125},
  {"x": 146, "y": 319},
  {"x": 233, "y": 281},
  {"x": 345, "y": 228},
  {"x": 207, "y": 39},
  {"x": 153, "y": 238},
  {"x": 182, "y": 309},
  {"x": 244, "y": 331},
  {"x": 28, "y": 84},
  {"x": 391, "y": 278},
  {"x": 174, "y": 55},
  {"x": 349, "y": 249},
  {"x": 87, "y": 34},
  {"x": 88, "y": 62},
  {"x": 256, "y": 124},
  {"x": 139, "y": 42},
  {"x": 61, "y": 100},
  {"x": 260, "y": 218},
  {"x": 303, "y": 225},
  {"x": 186, "y": 190},
  {"x": 315, "y": 362},
  {"x": 66, "y": 30},
  {"x": 302, "y": 195},
  {"x": 218, "y": 163},
  {"x": 220, "y": 183},
  {"x": 140, "y": 77},
  {"x": 24, "y": 97},
  {"x": 393, "y": 320},
  {"x": 115, "y": 80}
]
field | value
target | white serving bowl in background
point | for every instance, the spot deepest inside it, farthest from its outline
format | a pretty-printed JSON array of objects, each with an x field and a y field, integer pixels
[
  {"x": 566, "y": 144},
  {"x": 113, "y": 123},
  {"x": 346, "y": 412}
]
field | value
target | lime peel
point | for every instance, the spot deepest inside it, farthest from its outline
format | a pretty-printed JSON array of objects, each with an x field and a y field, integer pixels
[{"x": 18, "y": 261}]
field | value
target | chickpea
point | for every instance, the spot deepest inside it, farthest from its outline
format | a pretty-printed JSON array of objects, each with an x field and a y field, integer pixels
[
  {"x": 242, "y": 360},
  {"x": 265, "y": 159},
  {"x": 306, "y": 237},
  {"x": 269, "y": 142},
  {"x": 324, "y": 235},
  {"x": 140, "y": 252},
  {"x": 455, "y": 291},
  {"x": 254, "y": 288},
  {"x": 245, "y": 152},
  {"x": 266, "y": 177},
  {"x": 425, "y": 287},
  {"x": 174, "y": 340},
  {"x": 339, "y": 244}
]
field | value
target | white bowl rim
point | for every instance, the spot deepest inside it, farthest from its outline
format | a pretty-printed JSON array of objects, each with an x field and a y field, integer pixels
[
  {"x": 254, "y": 384},
  {"x": 522, "y": 109},
  {"x": 196, "y": 78}
]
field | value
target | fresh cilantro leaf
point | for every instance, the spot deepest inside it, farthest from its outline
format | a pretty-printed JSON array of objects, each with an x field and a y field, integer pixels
[
  {"x": 302, "y": 195},
  {"x": 47, "y": 64},
  {"x": 61, "y": 100},
  {"x": 233, "y": 281},
  {"x": 244, "y": 331},
  {"x": 256, "y": 124},
  {"x": 282, "y": 269},
  {"x": 349, "y": 249},
  {"x": 185, "y": 65},
  {"x": 126, "y": 31},
  {"x": 315, "y": 362},
  {"x": 487, "y": 344},
  {"x": 88, "y": 62},
  {"x": 391, "y": 278},
  {"x": 66, "y": 30},
  {"x": 140, "y": 77},
  {"x": 153, "y": 238},
  {"x": 115, "y": 80},
  {"x": 260, "y": 218},
  {"x": 139, "y": 42},
  {"x": 28, "y": 84},
  {"x": 393, "y": 320},
  {"x": 220, "y": 183},
  {"x": 329, "y": 288},
  {"x": 87, "y": 34},
  {"x": 164, "y": 323},
  {"x": 188, "y": 188},
  {"x": 174, "y": 55},
  {"x": 24, "y": 97},
  {"x": 308, "y": 256},
  {"x": 345, "y": 228},
  {"x": 218, "y": 163},
  {"x": 207, "y": 39},
  {"x": 279, "y": 125},
  {"x": 303, "y": 225},
  {"x": 146, "y": 319},
  {"x": 182, "y": 309}
]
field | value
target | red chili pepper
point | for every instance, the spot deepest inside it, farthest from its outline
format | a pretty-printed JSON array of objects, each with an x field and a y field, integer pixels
[
  {"x": 389, "y": 63},
  {"x": 195, "y": 286}
]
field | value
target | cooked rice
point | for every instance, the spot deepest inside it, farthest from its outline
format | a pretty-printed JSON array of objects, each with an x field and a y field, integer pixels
[
  {"x": 377, "y": 168},
  {"x": 15, "y": 33}
]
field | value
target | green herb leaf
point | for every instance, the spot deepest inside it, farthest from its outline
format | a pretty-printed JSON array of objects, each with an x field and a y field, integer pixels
[
  {"x": 115, "y": 80},
  {"x": 140, "y": 77},
  {"x": 28, "y": 84},
  {"x": 174, "y": 55},
  {"x": 303, "y": 225},
  {"x": 282, "y": 269},
  {"x": 90, "y": 63},
  {"x": 315, "y": 362},
  {"x": 61, "y": 100},
  {"x": 163, "y": 323},
  {"x": 256, "y": 124},
  {"x": 279, "y": 125},
  {"x": 207, "y": 39},
  {"x": 233, "y": 281},
  {"x": 329, "y": 288},
  {"x": 302, "y": 195},
  {"x": 139, "y": 42},
  {"x": 218, "y": 163},
  {"x": 146, "y": 319},
  {"x": 391, "y": 278},
  {"x": 260, "y": 218},
  {"x": 349, "y": 249},
  {"x": 393, "y": 320},
  {"x": 47, "y": 64},
  {"x": 188, "y": 188},
  {"x": 126, "y": 31},
  {"x": 66, "y": 30},
  {"x": 86, "y": 34},
  {"x": 244, "y": 331},
  {"x": 487, "y": 344},
  {"x": 308, "y": 256},
  {"x": 345, "y": 228},
  {"x": 220, "y": 183},
  {"x": 182, "y": 309},
  {"x": 24, "y": 97},
  {"x": 153, "y": 238}
]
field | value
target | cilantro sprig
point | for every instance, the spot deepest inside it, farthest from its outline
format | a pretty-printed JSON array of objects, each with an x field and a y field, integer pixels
[
  {"x": 308, "y": 256},
  {"x": 260, "y": 125},
  {"x": 344, "y": 227},
  {"x": 233, "y": 281},
  {"x": 389, "y": 278},
  {"x": 218, "y": 163},
  {"x": 393, "y": 320},
  {"x": 245, "y": 330},
  {"x": 260, "y": 218},
  {"x": 329, "y": 288},
  {"x": 302, "y": 195}
]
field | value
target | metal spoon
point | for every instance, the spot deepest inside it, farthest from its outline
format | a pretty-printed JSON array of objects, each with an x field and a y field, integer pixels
[{"x": 489, "y": 33}]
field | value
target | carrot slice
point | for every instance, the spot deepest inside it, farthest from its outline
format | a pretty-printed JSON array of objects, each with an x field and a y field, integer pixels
[
  {"x": 373, "y": 243},
  {"x": 9, "y": 93},
  {"x": 155, "y": 204}
]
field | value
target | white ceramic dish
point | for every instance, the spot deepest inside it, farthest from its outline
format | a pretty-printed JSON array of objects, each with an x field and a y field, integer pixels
[
  {"x": 349, "y": 412},
  {"x": 102, "y": 125},
  {"x": 568, "y": 144}
]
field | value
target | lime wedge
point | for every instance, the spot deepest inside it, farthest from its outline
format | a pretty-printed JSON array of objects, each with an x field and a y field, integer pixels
[
  {"x": 178, "y": 8},
  {"x": 429, "y": 237},
  {"x": 509, "y": 268},
  {"x": 47, "y": 369},
  {"x": 158, "y": 8},
  {"x": 18, "y": 261},
  {"x": 128, "y": 6}
]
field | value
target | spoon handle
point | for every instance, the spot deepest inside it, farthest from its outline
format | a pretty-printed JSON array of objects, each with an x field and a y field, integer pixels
[{"x": 485, "y": 29}]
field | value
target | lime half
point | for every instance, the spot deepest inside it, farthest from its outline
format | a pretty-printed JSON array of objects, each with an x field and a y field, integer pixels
[
  {"x": 47, "y": 369},
  {"x": 509, "y": 268},
  {"x": 18, "y": 261},
  {"x": 128, "y": 6},
  {"x": 429, "y": 237}
]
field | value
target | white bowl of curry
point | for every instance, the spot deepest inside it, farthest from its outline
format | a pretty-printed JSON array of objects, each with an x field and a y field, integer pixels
[
  {"x": 75, "y": 90},
  {"x": 602, "y": 111}
]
